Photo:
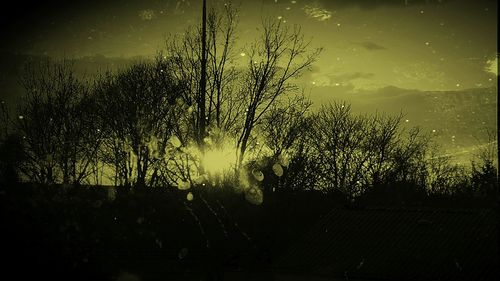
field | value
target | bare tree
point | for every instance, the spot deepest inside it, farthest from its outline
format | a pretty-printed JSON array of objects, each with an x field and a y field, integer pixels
[
  {"x": 284, "y": 124},
  {"x": 484, "y": 172},
  {"x": 408, "y": 159},
  {"x": 302, "y": 172},
  {"x": 356, "y": 153},
  {"x": 383, "y": 135},
  {"x": 279, "y": 56},
  {"x": 136, "y": 109},
  {"x": 291, "y": 163},
  {"x": 208, "y": 53},
  {"x": 203, "y": 80},
  {"x": 54, "y": 123},
  {"x": 338, "y": 140}
]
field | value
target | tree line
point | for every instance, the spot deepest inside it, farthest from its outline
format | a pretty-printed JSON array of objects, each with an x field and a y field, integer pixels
[{"x": 150, "y": 124}]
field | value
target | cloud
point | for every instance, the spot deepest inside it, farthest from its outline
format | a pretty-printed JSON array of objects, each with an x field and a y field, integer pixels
[
  {"x": 351, "y": 76},
  {"x": 315, "y": 11},
  {"x": 337, "y": 80},
  {"x": 371, "y": 46},
  {"x": 420, "y": 73},
  {"x": 492, "y": 66}
]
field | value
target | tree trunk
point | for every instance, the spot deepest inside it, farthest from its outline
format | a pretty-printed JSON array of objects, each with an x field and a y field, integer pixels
[{"x": 203, "y": 81}]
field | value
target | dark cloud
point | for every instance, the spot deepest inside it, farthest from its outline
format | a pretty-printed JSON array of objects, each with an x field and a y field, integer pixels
[{"x": 371, "y": 46}]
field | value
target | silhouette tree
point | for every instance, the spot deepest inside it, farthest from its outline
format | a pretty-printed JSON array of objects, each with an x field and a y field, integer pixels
[
  {"x": 55, "y": 123},
  {"x": 279, "y": 56},
  {"x": 339, "y": 140},
  {"x": 484, "y": 173},
  {"x": 213, "y": 45},
  {"x": 203, "y": 79},
  {"x": 236, "y": 100},
  {"x": 136, "y": 108},
  {"x": 363, "y": 152},
  {"x": 284, "y": 129},
  {"x": 284, "y": 124}
]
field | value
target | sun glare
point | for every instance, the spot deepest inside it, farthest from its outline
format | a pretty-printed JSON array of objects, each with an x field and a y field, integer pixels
[{"x": 218, "y": 161}]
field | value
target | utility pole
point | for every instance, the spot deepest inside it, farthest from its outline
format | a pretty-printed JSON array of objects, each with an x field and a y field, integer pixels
[{"x": 203, "y": 80}]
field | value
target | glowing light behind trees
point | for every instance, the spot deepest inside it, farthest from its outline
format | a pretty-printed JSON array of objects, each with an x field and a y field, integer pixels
[{"x": 219, "y": 161}]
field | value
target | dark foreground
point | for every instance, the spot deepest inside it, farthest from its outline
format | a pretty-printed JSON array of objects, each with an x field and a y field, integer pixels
[{"x": 82, "y": 233}]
